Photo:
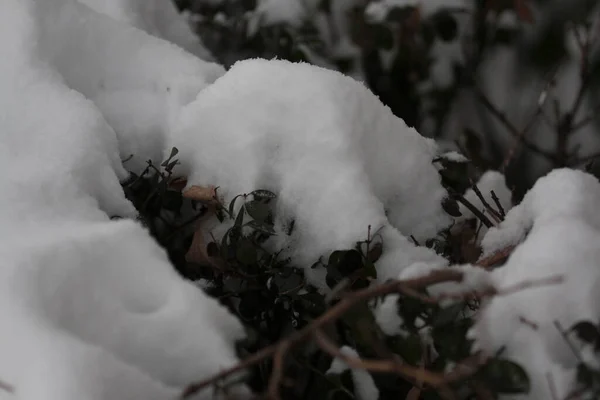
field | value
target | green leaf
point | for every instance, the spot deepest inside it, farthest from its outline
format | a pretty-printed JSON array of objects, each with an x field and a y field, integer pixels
[
  {"x": 351, "y": 261},
  {"x": 261, "y": 227},
  {"x": 451, "y": 207},
  {"x": 172, "y": 200},
  {"x": 232, "y": 205},
  {"x": 346, "y": 261},
  {"x": 263, "y": 194},
  {"x": 375, "y": 252},
  {"x": 586, "y": 331},
  {"x": 447, "y": 315},
  {"x": 370, "y": 270},
  {"x": 585, "y": 375},
  {"x": 246, "y": 252},
  {"x": 239, "y": 219},
  {"x": 174, "y": 152},
  {"x": 411, "y": 349},
  {"x": 171, "y": 165},
  {"x": 258, "y": 210},
  {"x": 506, "y": 377}
]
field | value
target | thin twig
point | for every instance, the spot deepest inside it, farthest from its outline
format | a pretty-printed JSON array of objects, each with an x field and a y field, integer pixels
[
  {"x": 495, "y": 214},
  {"x": 498, "y": 204},
  {"x": 277, "y": 374},
  {"x": 512, "y": 129},
  {"x": 344, "y": 305},
  {"x": 482, "y": 217},
  {"x": 7, "y": 387},
  {"x": 278, "y": 350}
]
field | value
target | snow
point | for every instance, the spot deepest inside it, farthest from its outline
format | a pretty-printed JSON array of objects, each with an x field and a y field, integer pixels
[
  {"x": 377, "y": 11},
  {"x": 364, "y": 384},
  {"x": 91, "y": 307},
  {"x": 338, "y": 159},
  {"x": 156, "y": 17},
  {"x": 139, "y": 93},
  {"x": 558, "y": 230}
]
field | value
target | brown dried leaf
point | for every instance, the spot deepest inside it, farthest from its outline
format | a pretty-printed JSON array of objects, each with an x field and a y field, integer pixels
[
  {"x": 205, "y": 194},
  {"x": 197, "y": 252}
]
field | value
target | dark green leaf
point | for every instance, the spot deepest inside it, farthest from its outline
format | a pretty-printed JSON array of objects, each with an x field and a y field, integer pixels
[
  {"x": 586, "y": 331},
  {"x": 239, "y": 219},
  {"x": 263, "y": 194},
  {"x": 171, "y": 165},
  {"x": 261, "y": 227},
  {"x": 447, "y": 315},
  {"x": 232, "y": 205},
  {"x": 451, "y": 207},
  {"x": 370, "y": 270},
  {"x": 375, "y": 252},
  {"x": 258, "y": 210},
  {"x": 246, "y": 252},
  {"x": 445, "y": 26},
  {"x": 174, "y": 152},
  {"x": 585, "y": 375},
  {"x": 172, "y": 200},
  {"x": 505, "y": 377},
  {"x": 410, "y": 348}
]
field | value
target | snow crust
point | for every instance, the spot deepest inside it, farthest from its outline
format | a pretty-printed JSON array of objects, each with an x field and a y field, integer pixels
[{"x": 558, "y": 228}]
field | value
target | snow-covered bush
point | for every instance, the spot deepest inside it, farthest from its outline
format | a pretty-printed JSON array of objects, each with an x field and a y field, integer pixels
[{"x": 170, "y": 229}]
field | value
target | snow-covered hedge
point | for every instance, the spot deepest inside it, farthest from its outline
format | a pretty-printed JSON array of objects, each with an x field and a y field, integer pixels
[{"x": 335, "y": 190}]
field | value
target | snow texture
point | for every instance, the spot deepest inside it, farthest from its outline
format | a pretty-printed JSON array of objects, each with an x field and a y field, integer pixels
[
  {"x": 139, "y": 88},
  {"x": 558, "y": 228},
  {"x": 338, "y": 159},
  {"x": 91, "y": 307},
  {"x": 156, "y": 17},
  {"x": 364, "y": 384}
]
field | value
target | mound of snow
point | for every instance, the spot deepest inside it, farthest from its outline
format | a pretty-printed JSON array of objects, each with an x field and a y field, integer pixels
[
  {"x": 90, "y": 307},
  {"x": 156, "y": 17},
  {"x": 559, "y": 227},
  {"x": 338, "y": 159},
  {"x": 138, "y": 82}
]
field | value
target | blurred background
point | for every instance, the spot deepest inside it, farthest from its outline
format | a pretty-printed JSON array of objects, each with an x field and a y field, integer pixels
[{"x": 512, "y": 84}]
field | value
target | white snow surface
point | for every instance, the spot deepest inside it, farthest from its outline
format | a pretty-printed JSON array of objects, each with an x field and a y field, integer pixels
[
  {"x": 337, "y": 158},
  {"x": 90, "y": 307},
  {"x": 363, "y": 381},
  {"x": 156, "y": 17},
  {"x": 558, "y": 228},
  {"x": 138, "y": 82}
]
